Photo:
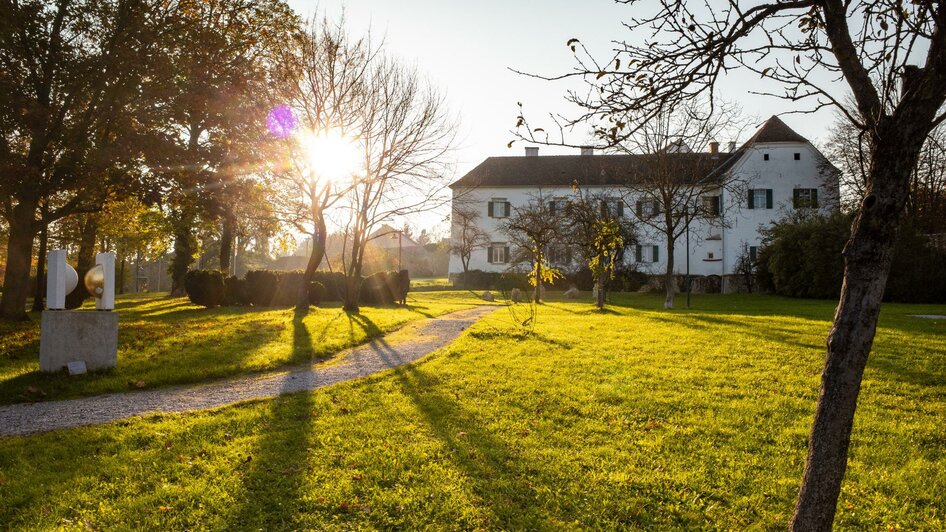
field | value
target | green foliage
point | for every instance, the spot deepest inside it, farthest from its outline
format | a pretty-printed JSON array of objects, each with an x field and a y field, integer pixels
[
  {"x": 205, "y": 287},
  {"x": 801, "y": 257},
  {"x": 632, "y": 419}
]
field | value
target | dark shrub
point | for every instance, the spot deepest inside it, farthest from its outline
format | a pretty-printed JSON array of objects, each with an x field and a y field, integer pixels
[
  {"x": 333, "y": 282},
  {"x": 205, "y": 287},
  {"x": 316, "y": 293},
  {"x": 236, "y": 293},
  {"x": 261, "y": 287},
  {"x": 801, "y": 257},
  {"x": 288, "y": 285},
  {"x": 379, "y": 289},
  {"x": 502, "y": 281}
]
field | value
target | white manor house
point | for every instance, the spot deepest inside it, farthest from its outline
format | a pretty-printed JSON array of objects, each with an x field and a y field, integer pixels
[{"x": 781, "y": 171}]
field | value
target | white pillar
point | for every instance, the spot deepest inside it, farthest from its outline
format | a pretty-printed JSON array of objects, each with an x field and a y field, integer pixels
[
  {"x": 56, "y": 279},
  {"x": 107, "y": 261}
]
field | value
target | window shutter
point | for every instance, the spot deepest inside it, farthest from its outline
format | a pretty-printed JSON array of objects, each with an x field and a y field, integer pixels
[
  {"x": 640, "y": 211},
  {"x": 552, "y": 208},
  {"x": 768, "y": 198},
  {"x": 507, "y": 209},
  {"x": 489, "y": 209},
  {"x": 505, "y": 253},
  {"x": 656, "y": 254},
  {"x": 814, "y": 198},
  {"x": 621, "y": 209},
  {"x": 489, "y": 253},
  {"x": 637, "y": 253},
  {"x": 753, "y": 253},
  {"x": 795, "y": 193},
  {"x": 751, "y": 199},
  {"x": 716, "y": 205}
]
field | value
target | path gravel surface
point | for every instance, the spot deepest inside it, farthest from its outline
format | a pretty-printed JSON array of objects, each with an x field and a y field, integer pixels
[{"x": 406, "y": 345}]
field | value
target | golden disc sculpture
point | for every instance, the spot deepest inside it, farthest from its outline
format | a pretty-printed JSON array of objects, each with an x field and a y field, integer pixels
[{"x": 95, "y": 281}]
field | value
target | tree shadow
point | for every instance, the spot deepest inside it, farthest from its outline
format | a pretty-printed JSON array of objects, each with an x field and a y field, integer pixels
[
  {"x": 273, "y": 476},
  {"x": 496, "y": 473}
]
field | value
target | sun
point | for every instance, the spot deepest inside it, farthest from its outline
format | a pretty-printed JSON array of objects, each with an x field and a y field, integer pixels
[{"x": 330, "y": 154}]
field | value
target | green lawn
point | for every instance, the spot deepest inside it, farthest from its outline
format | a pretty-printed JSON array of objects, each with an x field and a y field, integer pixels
[
  {"x": 631, "y": 418},
  {"x": 170, "y": 341}
]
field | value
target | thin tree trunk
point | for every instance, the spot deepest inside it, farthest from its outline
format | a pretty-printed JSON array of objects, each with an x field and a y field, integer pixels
[
  {"x": 19, "y": 254},
  {"x": 867, "y": 256},
  {"x": 670, "y": 284},
  {"x": 601, "y": 284},
  {"x": 39, "y": 294},
  {"x": 121, "y": 277},
  {"x": 537, "y": 294}
]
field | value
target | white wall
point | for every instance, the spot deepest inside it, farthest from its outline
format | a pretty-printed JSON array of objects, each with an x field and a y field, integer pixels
[{"x": 781, "y": 173}]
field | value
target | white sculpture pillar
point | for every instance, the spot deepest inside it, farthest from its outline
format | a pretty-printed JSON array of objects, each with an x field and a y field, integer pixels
[
  {"x": 61, "y": 279},
  {"x": 107, "y": 300}
]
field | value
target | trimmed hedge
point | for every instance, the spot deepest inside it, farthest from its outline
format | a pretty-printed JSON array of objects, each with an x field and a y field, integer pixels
[
  {"x": 625, "y": 280},
  {"x": 205, "y": 287},
  {"x": 384, "y": 288}
]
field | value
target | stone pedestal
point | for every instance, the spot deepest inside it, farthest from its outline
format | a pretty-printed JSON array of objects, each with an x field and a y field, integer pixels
[{"x": 73, "y": 335}]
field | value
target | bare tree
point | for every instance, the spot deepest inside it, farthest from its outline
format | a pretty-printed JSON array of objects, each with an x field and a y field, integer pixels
[
  {"x": 848, "y": 147},
  {"x": 467, "y": 235},
  {"x": 595, "y": 224},
  {"x": 324, "y": 78},
  {"x": 745, "y": 267},
  {"x": 533, "y": 228},
  {"x": 889, "y": 55},
  {"x": 404, "y": 136},
  {"x": 676, "y": 183}
]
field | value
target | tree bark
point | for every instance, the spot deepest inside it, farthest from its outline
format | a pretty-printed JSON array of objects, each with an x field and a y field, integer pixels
[
  {"x": 40, "y": 292},
  {"x": 121, "y": 277},
  {"x": 16, "y": 281},
  {"x": 183, "y": 255},
  {"x": 601, "y": 284},
  {"x": 867, "y": 257},
  {"x": 315, "y": 259},
  {"x": 670, "y": 284},
  {"x": 537, "y": 293},
  {"x": 85, "y": 259},
  {"x": 226, "y": 241}
]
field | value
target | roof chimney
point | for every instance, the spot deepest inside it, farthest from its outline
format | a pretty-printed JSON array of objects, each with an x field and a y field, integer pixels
[
  {"x": 731, "y": 146},
  {"x": 714, "y": 147},
  {"x": 532, "y": 151},
  {"x": 587, "y": 150}
]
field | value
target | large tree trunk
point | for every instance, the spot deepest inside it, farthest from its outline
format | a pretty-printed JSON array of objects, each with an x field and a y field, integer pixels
[
  {"x": 40, "y": 291},
  {"x": 183, "y": 255},
  {"x": 670, "y": 283},
  {"x": 16, "y": 281},
  {"x": 226, "y": 241},
  {"x": 315, "y": 258},
  {"x": 353, "y": 290},
  {"x": 867, "y": 257},
  {"x": 85, "y": 259}
]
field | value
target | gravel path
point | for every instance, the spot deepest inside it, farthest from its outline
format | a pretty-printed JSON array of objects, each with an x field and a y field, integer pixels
[{"x": 406, "y": 345}]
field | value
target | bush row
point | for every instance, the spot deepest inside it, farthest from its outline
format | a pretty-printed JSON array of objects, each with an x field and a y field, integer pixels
[
  {"x": 625, "y": 280},
  {"x": 267, "y": 288}
]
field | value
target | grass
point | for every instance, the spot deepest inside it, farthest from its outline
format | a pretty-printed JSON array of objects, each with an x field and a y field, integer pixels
[
  {"x": 170, "y": 341},
  {"x": 426, "y": 284},
  {"x": 630, "y": 418}
]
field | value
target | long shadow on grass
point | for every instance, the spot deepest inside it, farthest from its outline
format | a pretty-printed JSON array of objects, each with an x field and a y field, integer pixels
[
  {"x": 274, "y": 475},
  {"x": 497, "y": 475}
]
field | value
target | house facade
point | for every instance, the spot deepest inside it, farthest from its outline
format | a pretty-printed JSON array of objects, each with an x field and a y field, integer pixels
[{"x": 774, "y": 173}]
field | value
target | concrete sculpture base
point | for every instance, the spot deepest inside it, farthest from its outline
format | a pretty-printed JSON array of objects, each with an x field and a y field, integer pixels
[{"x": 78, "y": 335}]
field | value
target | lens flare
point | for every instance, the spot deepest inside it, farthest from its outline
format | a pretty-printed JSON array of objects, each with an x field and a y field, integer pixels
[{"x": 281, "y": 122}]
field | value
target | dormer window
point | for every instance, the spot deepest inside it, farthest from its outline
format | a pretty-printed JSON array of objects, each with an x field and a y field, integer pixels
[
  {"x": 797, "y": 156},
  {"x": 765, "y": 156}
]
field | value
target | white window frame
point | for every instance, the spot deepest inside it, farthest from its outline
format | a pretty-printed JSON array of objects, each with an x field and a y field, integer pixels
[
  {"x": 499, "y": 247},
  {"x": 503, "y": 202}
]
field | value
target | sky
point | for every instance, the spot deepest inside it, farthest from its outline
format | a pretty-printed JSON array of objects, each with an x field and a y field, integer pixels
[{"x": 466, "y": 48}]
